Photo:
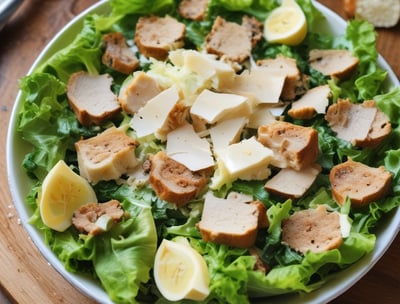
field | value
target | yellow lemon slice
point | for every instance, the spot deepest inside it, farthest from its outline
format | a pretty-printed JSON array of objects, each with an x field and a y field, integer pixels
[
  {"x": 286, "y": 24},
  {"x": 63, "y": 191},
  {"x": 180, "y": 272}
]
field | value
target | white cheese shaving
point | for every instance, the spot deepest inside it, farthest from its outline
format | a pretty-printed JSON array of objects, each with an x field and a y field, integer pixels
[
  {"x": 213, "y": 107},
  {"x": 187, "y": 148},
  {"x": 151, "y": 118},
  {"x": 227, "y": 132}
]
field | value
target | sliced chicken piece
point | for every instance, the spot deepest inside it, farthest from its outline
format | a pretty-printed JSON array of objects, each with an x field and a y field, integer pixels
[
  {"x": 314, "y": 101},
  {"x": 360, "y": 183},
  {"x": 294, "y": 146},
  {"x": 137, "y": 92},
  {"x": 117, "y": 55},
  {"x": 230, "y": 40},
  {"x": 91, "y": 98},
  {"x": 173, "y": 182},
  {"x": 106, "y": 156},
  {"x": 290, "y": 183},
  {"x": 87, "y": 217},
  {"x": 193, "y": 9},
  {"x": 335, "y": 63},
  {"x": 156, "y": 36},
  {"x": 363, "y": 124},
  {"x": 315, "y": 230},
  {"x": 231, "y": 221}
]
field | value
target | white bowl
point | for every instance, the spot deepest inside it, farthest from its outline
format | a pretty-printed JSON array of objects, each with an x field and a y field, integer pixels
[{"x": 20, "y": 185}]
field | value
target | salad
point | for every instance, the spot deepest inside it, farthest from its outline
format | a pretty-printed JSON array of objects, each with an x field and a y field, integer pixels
[{"x": 122, "y": 258}]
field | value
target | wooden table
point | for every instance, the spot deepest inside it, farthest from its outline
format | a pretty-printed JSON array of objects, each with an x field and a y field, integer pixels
[{"x": 25, "y": 277}]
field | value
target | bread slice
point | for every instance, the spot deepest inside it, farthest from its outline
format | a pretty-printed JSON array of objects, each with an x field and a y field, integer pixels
[
  {"x": 315, "y": 230},
  {"x": 294, "y": 146},
  {"x": 360, "y": 183},
  {"x": 232, "y": 221}
]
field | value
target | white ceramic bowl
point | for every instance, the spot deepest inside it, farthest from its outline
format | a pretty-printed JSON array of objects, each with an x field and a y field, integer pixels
[{"x": 20, "y": 185}]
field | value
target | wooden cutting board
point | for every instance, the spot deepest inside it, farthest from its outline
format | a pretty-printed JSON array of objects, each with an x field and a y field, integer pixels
[{"x": 25, "y": 277}]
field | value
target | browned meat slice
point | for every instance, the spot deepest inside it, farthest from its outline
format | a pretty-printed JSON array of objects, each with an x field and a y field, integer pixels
[
  {"x": 363, "y": 124},
  {"x": 86, "y": 218},
  {"x": 232, "y": 221},
  {"x": 173, "y": 182},
  {"x": 117, "y": 55},
  {"x": 315, "y": 230},
  {"x": 229, "y": 39},
  {"x": 294, "y": 146},
  {"x": 360, "y": 183},
  {"x": 254, "y": 27},
  {"x": 294, "y": 82},
  {"x": 335, "y": 63},
  {"x": 193, "y": 9},
  {"x": 106, "y": 156},
  {"x": 137, "y": 92},
  {"x": 259, "y": 265},
  {"x": 314, "y": 101},
  {"x": 156, "y": 36},
  {"x": 91, "y": 98}
]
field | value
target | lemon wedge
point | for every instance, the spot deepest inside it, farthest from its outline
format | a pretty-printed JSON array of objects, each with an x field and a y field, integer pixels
[
  {"x": 63, "y": 191},
  {"x": 286, "y": 24},
  {"x": 180, "y": 271}
]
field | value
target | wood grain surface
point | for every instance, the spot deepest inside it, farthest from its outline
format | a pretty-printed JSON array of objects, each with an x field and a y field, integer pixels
[{"x": 25, "y": 277}]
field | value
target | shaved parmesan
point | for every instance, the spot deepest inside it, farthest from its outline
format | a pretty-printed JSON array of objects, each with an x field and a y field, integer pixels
[
  {"x": 227, "y": 132},
  {"x": 187, "y": 148},
  {"x": 259, "y": 85},
  {"x": 153, "y": 117},
  {"x": 213, "y": 107},
  {"x": 262, "y": 115},
  {"x": 247, "y": 160}
]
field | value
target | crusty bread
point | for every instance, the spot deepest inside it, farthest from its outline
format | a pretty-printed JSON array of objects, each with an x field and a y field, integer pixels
[
  {"x": 315, "y": 230},
  {"x": 363, "y": 125},
  {"x": 360, "y": 183},
  {"x": 379, "y": 13},
  {"x": 286, "y": 66},
  {"x": 193, "y": 9},
  {"x": 91, "y": 98},
  {"x": 156, "y": 36},
  {"x": 294, "y": 146},
  {"x": 290, "y": 183},
  {"x": 334, "y": 63},
  {"x": 117, "y": 55},
  {"x": 106, "y": 156},
  {"x": 232, "y": 221},
  {"x": 173, "y": 182}
]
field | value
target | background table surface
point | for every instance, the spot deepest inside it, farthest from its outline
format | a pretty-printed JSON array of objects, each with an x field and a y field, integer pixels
[{"x": 25, "y": 277}]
